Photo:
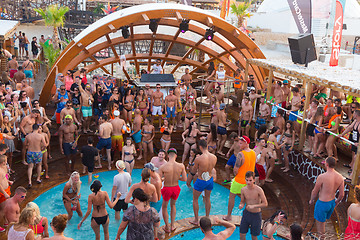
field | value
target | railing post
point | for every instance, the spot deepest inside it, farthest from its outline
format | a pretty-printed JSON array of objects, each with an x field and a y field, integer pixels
[{"x": 306, "y": 106}]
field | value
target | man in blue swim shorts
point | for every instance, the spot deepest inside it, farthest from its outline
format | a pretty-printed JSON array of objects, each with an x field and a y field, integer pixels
[
  {"x": 171, "y": 102},
  {"x": 105, "y": 130},
  {"x": 327, "y": 184},
  {"x": 204, "y": 165},
  {"x": 278, "y": 98},
  {"x": 34, "y": 143},
  {"x": 68, "y": 135}
]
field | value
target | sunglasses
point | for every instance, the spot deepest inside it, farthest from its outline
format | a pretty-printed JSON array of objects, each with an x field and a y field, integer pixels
[
  {"x": 62, "y": 89},
  {"x": 22, "y": 196},
  {"x": 157, "y": 87}
]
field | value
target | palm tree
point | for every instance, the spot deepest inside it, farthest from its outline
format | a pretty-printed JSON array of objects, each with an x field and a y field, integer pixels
[
  {"x": 241, "y": 11},
  {"x": 53, "y": 16}
]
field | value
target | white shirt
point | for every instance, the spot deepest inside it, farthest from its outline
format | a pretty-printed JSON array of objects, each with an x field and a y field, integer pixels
[
  {"x": 122, "y": 182},
  {"x": 220, "y": 74},
  {"x": 156, "y": 69}
]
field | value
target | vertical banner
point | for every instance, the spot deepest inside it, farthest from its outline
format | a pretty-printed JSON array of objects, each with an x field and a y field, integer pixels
[
  {"x": 301, "y": 11},
  {"x": 337, "y": 33},
  {"x": 186, "y": 2}
]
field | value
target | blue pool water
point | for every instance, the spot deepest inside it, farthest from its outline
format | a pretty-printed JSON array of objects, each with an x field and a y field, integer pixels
[
  {"x": 196, "y": 234},
  {"x": 50, "y": 203}
]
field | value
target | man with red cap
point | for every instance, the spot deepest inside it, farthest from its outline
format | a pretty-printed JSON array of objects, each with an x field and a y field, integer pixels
[{"x": 245, "y": 161}]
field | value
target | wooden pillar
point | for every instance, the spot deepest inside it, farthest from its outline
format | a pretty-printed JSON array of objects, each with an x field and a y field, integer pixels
[
  {"x": 356, "y": 168},
  {"x": 269, "y": 86},
  {"x": 303, "y": 124},
  {"x": 244, "y": 86}
]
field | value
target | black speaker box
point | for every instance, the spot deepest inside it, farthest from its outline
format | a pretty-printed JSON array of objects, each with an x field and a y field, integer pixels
[
  {"x": 298, "y": 47},
  {"x": 157, "y": 78}
]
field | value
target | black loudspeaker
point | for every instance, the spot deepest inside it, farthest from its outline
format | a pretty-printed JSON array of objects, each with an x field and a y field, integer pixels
[
  {"x": 157, "y": 78},
  {"x": 302, "y": 48}
]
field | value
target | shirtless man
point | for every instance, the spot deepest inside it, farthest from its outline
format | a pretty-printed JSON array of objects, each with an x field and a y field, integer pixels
[
  {"x": 155, "y": 180},
  {"x": 172, "y": 172},
  {"x": 206, "y": 228},
  {"x": 18, "y": 77},
  {"x": 29, "y": 90},
  {"x": 157, "y": 104},
  {"x": 260, "y": 165},
  {"x": 29, "y": 69},
  {"x": 117, "y": 136},
  {"x": 287, "y": 93},
  {"x": 34, "y": 143},
  {"x": 245, "y": 117},
  {"x": 295, "y": 104},
  {"x": 177, "y": 93},
  {"x": 221, "y": 129},
  {"x": 203, "y": 165},
  {"x": 68, "y": 146},
  {"x": 186, "y": 78},
  {"x": 105, "y": 130},
  {"x": 309, "y": 130},
  {"x": 264, "y": 113},
  {"x": 68, "y": 110},
  {"x": 10, "y": 209},
  {"x": 26, "y": 128},
  {"x": 144, "y": 184},
  {"x": 136, "y": 131},
  {"x": 326, "y": 186},
  {"x": 12, "y": 66},
  {"x": 171, "y": 106},
  {"x": 278, "y": 98},
  {"x": 254, "y": 198},
  {"x": 86, "y": 101},
  {"x": 5, "y": 183},
  {"x": 219, "y": 94},
  {"x": 159, "y": 160},
  {"x": 232, "y": 159}
]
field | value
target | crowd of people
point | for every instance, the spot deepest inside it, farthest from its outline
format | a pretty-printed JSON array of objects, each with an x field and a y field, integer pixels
[{"x": 127, "y": 119}]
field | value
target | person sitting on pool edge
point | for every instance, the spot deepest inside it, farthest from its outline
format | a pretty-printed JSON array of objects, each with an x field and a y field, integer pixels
[{"x": 206, "y": 228}]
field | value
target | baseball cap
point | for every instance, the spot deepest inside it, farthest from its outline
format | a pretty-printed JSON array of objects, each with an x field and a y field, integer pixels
[
  {"x": 68, "y": 116},
  {"x": 222, "y": 106},
  {"x": 150, "y": 166},
  {"x": 116, "y": 113},
  {"x": 120, "y": 164},
  {"x": 252, "y": 88},
  {"x": 285, "y": 82},
  {"x": 172, "y": 150},
  {"x": 245, "y": 139}
]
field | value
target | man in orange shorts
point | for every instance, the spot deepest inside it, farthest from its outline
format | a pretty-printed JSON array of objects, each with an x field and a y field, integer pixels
[
  {"x": 117, "y": 141},
  {"x": 172, "y": 173},
  {"x": 4, "y": 180}
]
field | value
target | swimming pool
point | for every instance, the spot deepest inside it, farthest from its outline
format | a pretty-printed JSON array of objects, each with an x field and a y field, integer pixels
[
  {"x": 50, "y": 203},
  {"x": 196, "y": 234}
]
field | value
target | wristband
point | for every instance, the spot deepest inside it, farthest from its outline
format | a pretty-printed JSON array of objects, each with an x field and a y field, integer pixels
[{"x": 276, "y": 222}]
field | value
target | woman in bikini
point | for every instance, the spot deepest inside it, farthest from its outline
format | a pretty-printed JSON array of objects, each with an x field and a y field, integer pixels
[
  {"x": 148, "y": 134},
  {"x": 192, "y": 176},
  {"x": 212, "y": 138},
  {"x": 115, "y": 96},
  {"x": 128, "y": 155},
  {"x": 99, "y": 216},
  {"x": 75, "y": 99},
  {"x": 128, "y": 103},
  {"x": 190, "y": 110},
  {"x": 142, "y": 102},
  {"x": 40, "y": 226},
  {"x": 71, "y": 195},
  {"x": 272, "y": 145},
  {"x": 289, "y": 140},
  {"x": 333, "y": 126},
  {"x": 165, "y": 139},
  {"x": 209, "y": 79},
  {"x": 189, "y": 139},
  {"x": 319, "y": 141},
  {"x": 7, "y": 127}
]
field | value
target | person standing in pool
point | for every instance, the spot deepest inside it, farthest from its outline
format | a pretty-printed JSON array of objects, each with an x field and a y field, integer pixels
[
  {"x": 155, "y": 180},
  {"x": 206, "y": 228},
  {"x": 254, "y": 198},
  {"x": 144, "y": 184},
  {"x": 204, "y": 165},
  {"x": 71, "y": 195},
  {"x": 121, "y": 183},
  {"x": 327, "y": 184},
  {"x": 99, "y": 216},
  {"x": 172, "y": 172},
  {"x": 105, "y": 130}
]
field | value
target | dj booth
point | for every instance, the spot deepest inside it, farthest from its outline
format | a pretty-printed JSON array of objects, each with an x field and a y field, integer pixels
[{"x": 165, "y": 80}]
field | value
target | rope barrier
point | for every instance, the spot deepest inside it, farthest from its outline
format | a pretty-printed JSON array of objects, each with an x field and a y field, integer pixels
[{"x": 308, "y": 120}]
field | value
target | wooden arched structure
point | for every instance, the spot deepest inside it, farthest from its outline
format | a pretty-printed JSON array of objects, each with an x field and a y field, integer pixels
[{"x": 229, "y": 41}]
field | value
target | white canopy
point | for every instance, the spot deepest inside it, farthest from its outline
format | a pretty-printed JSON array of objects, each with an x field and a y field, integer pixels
[{"x": 7, "y": 27}]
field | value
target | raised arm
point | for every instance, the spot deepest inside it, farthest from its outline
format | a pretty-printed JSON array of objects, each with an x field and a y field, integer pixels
[{"x": 88, "y": 211}]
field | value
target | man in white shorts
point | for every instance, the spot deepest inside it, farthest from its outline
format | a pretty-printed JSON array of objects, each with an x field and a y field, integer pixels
[{"x": 157, "y": 103}]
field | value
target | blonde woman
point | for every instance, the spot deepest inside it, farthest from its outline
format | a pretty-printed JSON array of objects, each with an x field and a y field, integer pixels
[
  {"x": 21, "y": 230},
  {"x": 40, "y": 226},
  {"x": 71, "y": 195}
]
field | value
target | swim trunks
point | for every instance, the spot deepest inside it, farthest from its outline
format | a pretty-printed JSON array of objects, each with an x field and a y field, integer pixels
[
  {"x": 274, "y": 109},
  {"x": 259, "y": 122},
  {"x": 121, "y": 205},
  {"x": 261, "y": 170},
  {"x": 323, "y": 210},
  {"x": 117, "y": 142},
  {"x": 170, "y": 112},
  {"x": 68, "y": 150},
  {"x": 252, "y": 221},
  {"x": 104, "y": 143},
  {"x": 320, "y": 95},
  {"x": 201, "y": 185},
  {"x": 58, "y": 120},
  {"x": 244, "y": 123},
  {"x": 170, "y": 192},
  {"x": 236, "y": 187},
  {"x": 86, "y": 111},
  {"x": 292, "y": 117},
  {"x": 28, "y": 74},
  {"x": 232, "y": 160},
  {"x": 157, "y": 110},
  {"x": 221, "y": 130},
  {"x": 2, "y": 197},
  {"x": 137, "y": 136},
  {"x": 12, "y": 72},
  {"x": 33, "y": 157}
]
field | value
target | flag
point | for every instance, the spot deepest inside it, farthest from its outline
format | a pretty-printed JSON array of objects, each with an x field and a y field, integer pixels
[
  {"x": 337, "y": 32},
  {"x": 301, "y": 11},
  {"x": 186, "y": 2}
]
